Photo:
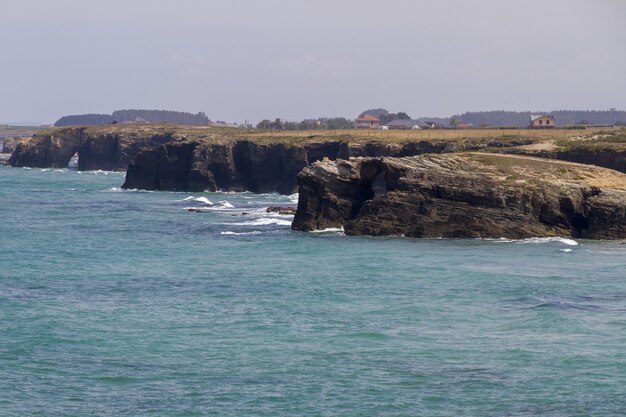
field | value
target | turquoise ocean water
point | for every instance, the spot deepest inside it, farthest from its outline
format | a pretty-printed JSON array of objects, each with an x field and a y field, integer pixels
[{"x": 123, "y": 303}]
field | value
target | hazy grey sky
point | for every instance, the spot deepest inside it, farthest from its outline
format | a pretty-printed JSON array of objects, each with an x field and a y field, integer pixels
[{"x": 253, "y": 59}]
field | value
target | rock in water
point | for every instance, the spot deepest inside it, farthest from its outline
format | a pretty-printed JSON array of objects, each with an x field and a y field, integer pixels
[
  {"x": 287, "y": 211},
  {"x": 462, "y": 195}
]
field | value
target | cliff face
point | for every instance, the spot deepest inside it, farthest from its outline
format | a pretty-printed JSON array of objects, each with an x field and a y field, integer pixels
[
  {"x": 462, "y": 195},
  {"x": 234, "y": 166},
  {"x": 104, "y": 151},
  {"x": 246, "y": 165}
]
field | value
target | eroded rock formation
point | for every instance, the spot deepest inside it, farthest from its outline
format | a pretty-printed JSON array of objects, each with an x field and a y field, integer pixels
[
  {"x": 462, "y": 195},
  {"x": 104, "y": 150},
  {"x": 248, "y": 165}
]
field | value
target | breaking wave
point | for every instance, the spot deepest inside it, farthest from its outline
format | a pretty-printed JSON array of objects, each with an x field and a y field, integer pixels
[
  {"x": 229, "y": 233},
  {"x": 263, "y": 221},
  {"x": 538, "y": 240}
]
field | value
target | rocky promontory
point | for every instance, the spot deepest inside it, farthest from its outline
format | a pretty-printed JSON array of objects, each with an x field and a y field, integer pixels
[
  {"x": 462, "y": 195},
  {"x": 266, "y": 165},
  {"x": 107, "y": 149},
  {"x": 198, "y": 158}
]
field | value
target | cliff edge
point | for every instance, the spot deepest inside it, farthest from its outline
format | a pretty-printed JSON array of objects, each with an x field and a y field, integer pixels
[{"x": 470, "y": 195}]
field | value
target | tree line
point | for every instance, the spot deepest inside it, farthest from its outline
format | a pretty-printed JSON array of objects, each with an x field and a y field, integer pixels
[
  {"x": 136, "y": 116},
  {"x": 561, "y": 117},
  {"x": 330, "y": 123}
]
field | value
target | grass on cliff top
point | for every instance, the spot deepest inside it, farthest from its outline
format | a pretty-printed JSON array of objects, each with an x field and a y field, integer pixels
[
  {"x": 593, "y": 143},
  {"x": 527, "y": 168},
  {"x": 225, "y": 134}
]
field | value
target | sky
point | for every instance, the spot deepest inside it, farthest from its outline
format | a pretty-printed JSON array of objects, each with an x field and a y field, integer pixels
[{"x": 240, "y": 60}]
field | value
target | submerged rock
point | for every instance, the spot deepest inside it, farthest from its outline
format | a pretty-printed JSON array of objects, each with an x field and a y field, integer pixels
[
  {"x": 462, "y": 195},
  {"x": 288, "y": 211}
]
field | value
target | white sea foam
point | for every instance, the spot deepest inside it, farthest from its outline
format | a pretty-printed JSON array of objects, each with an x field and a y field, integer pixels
[
  {"x": 294, "y": 198},
  {"x": 121, "y": 190},
  {"x": 336, "y": 230},
  {"x": 229, "y": 233},
  {"x": 538, "y": 240},
  {"x": 566, "y": 250},
  {"x": 224, "y": 203},
  {"x": 565, "y": 241},
  {"x": 101, "y": 172},
  {"x": 204, "y": 200},
  {"x": 264, "y": 221}
]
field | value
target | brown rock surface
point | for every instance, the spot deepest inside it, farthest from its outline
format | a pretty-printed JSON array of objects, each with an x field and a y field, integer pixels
[{"x": 463, "y": 195}]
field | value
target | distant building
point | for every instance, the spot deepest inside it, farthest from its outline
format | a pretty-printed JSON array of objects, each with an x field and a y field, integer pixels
[
  {"x": 541, "y": 121},
  {"x": 367, "y": 121},
  {"x": 406, "y": 124}
]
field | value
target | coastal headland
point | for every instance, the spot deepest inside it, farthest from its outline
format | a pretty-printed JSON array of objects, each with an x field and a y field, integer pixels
[
  {"x": 198, "y": 158},
  {"x": 449, "y": 183},
  {"x": 463, "y": 195}
]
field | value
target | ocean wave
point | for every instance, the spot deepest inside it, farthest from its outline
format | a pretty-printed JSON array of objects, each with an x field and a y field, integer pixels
[
  {"x": 329, "y": 230},
  {"x": 101, "y": 172},
  {"x": 126, "y": 190},
  {"x": 203, "y": 200},
  {"x": 224, "y": 203},
  {"x": 263, "y": 221},
  {"x": 294, "y": 198},
  {"x": 229, "y": 233},
  {"x": 538, "y": 240}
]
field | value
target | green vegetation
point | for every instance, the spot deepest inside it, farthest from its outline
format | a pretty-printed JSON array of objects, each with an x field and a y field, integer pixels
[
  {"x": 139, "y": 116},
  {"x": 84, "y": 120},
  {"x": 324, "y": 123},
  {"x": 160, "y": 116},
  {"x": 602, "y": 141}
]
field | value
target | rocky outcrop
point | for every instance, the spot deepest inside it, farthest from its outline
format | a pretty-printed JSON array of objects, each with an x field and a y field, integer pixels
[
  {"x": 108, "y": 151},
  {"x": 234, "y": 166},
  {"x": 257, "y": 166},
  {"x": 462, "y": 195}
]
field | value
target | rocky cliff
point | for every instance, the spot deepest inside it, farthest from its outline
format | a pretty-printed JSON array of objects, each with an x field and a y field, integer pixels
[
  {"x": 104, "y": 149},
  {"x": 197, "y": 158},
  {"x": 261, "y": 166},
  {"x": 462, "y": 195}
]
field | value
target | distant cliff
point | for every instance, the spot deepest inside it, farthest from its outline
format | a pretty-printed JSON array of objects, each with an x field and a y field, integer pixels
[
  {"x": 462, "y": 195},
  {"x": 97, "y": 150}
]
